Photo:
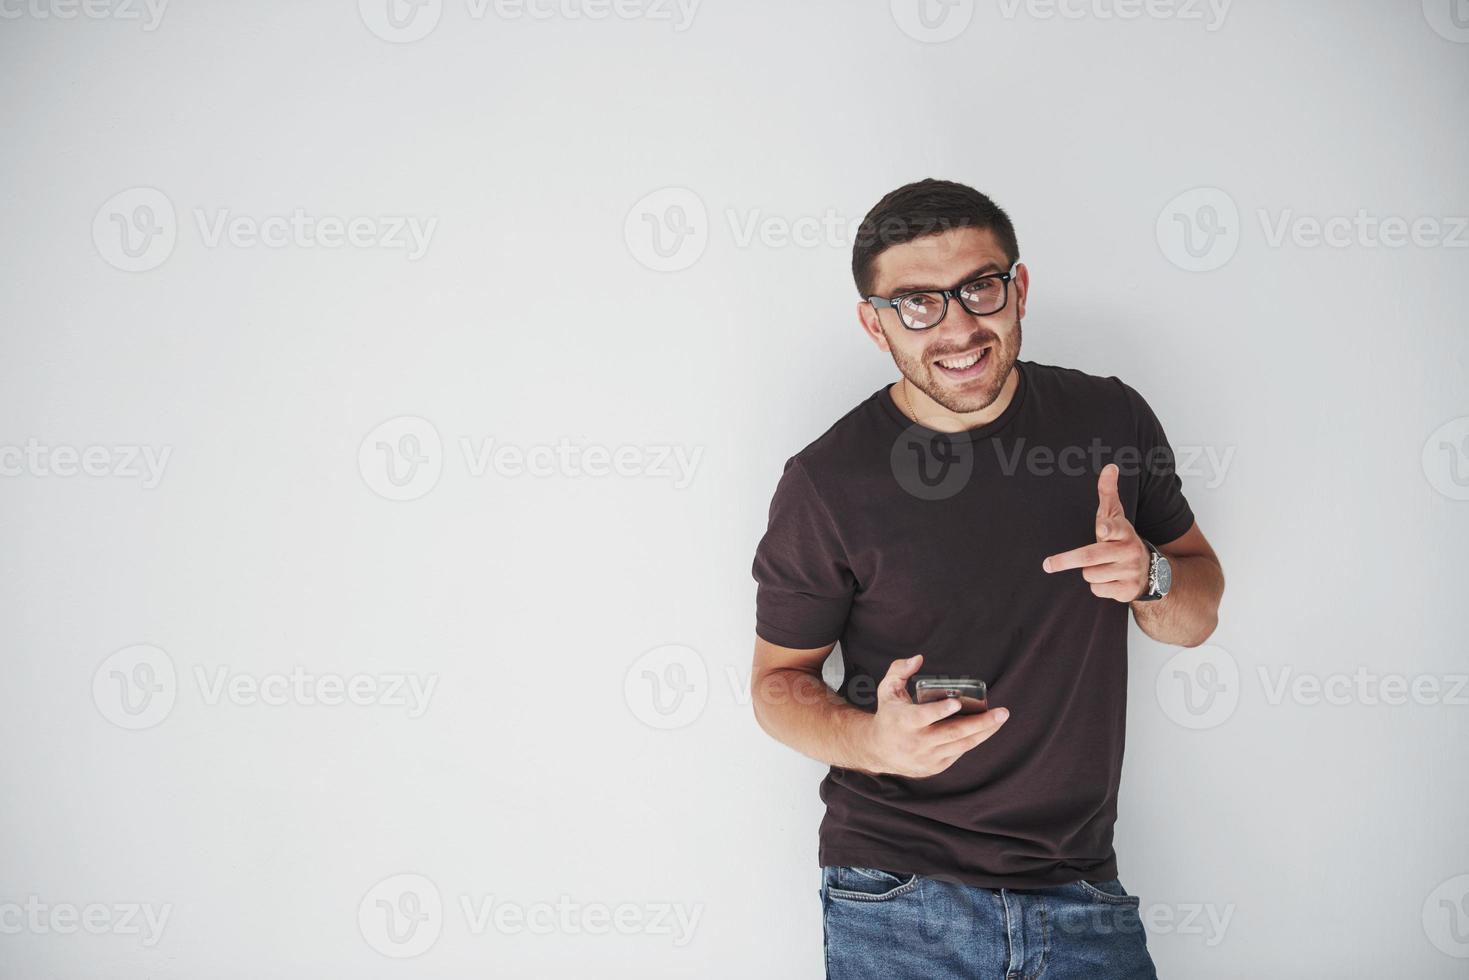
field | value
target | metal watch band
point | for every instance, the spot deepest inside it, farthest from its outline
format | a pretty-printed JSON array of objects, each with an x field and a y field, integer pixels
[{"x": 1150, "y": 591}]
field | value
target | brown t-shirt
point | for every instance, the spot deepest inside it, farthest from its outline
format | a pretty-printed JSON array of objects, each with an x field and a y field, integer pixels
[{"x": 895, "y": 540}]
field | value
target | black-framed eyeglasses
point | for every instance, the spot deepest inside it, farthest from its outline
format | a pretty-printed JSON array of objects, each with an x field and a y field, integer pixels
[{"x": 920, "y": 310}]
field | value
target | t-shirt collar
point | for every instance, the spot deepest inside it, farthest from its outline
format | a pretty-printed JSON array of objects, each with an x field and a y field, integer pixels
[{"x": 989, "y": 428}]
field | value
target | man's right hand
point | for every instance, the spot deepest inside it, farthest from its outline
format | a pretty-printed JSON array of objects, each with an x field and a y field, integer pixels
[{"x": 915, "y": 740}]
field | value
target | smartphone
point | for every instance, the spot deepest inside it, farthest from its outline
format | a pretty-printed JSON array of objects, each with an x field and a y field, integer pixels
[{"x": 972, "y": 693}]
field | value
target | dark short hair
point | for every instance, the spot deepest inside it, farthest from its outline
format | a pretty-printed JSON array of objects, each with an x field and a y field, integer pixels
[{"x": 925, "y": 207}]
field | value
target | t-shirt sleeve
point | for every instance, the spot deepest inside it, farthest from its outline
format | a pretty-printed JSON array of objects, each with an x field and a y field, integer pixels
[
  {"x": 805, "y": 584},
  {"x": 1163, "y": 513}
]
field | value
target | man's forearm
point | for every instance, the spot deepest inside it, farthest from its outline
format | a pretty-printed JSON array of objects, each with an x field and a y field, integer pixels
[
  {"x": 1188, "y": 614},
  {"x": 796, "y": 707}
]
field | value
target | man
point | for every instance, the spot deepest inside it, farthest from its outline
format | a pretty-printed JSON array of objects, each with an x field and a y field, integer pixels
[{"x": 989, "y": 518}]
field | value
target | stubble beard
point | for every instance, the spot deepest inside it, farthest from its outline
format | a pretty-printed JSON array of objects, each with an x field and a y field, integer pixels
[{"x": 920, "y": 374}]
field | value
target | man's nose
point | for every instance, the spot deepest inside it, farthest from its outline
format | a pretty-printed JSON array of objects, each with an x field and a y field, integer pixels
[{"x": 959, "y": 325}]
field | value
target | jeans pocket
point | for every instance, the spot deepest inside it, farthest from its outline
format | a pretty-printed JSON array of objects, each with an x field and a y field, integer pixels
[
  {"x": 854, "y": 884},
  {"x": 1110, "y": 891}
]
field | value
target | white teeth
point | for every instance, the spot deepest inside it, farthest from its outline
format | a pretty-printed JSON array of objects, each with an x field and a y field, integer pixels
[{"x": 962, "y": 363}]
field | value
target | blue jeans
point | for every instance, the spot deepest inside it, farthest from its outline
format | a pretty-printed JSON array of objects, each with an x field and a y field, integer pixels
[{"x": 902, "y": 926}]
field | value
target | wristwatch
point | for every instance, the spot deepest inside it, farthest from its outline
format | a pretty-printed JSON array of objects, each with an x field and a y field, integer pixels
[{"x": 1160, "y": 575}]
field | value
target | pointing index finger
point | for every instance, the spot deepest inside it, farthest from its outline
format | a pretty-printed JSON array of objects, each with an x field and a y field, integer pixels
[{"x": 1092, "y": 554}]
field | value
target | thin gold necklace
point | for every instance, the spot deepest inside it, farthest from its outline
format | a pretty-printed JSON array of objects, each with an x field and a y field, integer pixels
[{"x": 907, "y": 402}]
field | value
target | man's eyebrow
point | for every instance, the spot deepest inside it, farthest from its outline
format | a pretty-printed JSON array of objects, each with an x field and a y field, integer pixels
[{"x": 989, "y": 268}]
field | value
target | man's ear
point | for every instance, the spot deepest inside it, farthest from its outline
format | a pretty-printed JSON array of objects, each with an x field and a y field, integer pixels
[
  {"x": 867, "y": 316},
  {"x": 1022, "y": 289}
]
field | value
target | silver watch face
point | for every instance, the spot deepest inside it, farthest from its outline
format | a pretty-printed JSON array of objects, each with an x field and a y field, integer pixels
[{"x": 1163, "y": 572}]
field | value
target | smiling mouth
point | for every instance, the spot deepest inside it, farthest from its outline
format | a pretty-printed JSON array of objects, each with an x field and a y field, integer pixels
[{"x": 963, "y": 367}]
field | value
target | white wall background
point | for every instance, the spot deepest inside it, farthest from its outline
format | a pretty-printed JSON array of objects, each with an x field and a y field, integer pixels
[{"x": 1327, "y": 837}]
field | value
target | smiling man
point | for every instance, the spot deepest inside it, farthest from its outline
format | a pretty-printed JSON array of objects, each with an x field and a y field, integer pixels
[{"x": 985, "y": 518}]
